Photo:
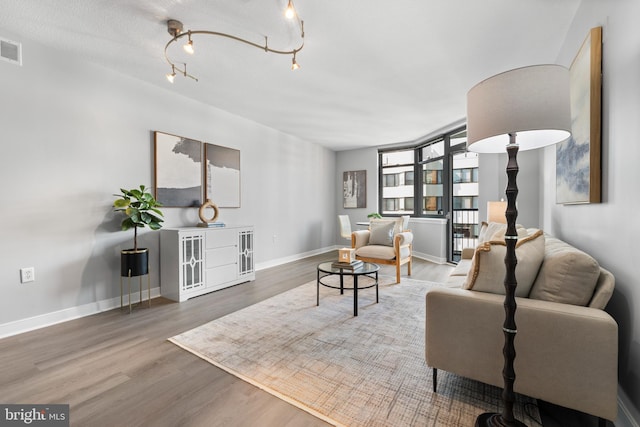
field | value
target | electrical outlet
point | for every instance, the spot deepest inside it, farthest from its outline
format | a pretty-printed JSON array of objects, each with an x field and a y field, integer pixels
[{"x": 27, "y": 274}]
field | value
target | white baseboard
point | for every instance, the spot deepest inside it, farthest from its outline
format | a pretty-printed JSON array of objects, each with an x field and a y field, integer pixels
[
  {"x": 284, "y": 260},
  {"x": 627, "y": 413},
  {"x": 431, "y": 258},
  {"x": 48, "y": 319}
]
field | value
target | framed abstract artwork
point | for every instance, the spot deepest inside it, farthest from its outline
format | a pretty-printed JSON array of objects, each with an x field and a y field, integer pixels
[
  {"x": 178, "y": 170},
  {"x": 578, "y": 167},
  {"x": 354, "y": 189},
  {"x": 222, "y": 176}
]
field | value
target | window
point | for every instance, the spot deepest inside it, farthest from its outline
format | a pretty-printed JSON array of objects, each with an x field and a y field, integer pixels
[
  {"x": 422, "y": 180},
  {"x": 408, "y": 203},
  {"x": 465, "y": 190},
  {"x": 434, "y": 178},
  {"x": 408, "y": 178},
  {"x": 391, "y": 180},
  {"x": 465, "y": 202},
  {"x": 391, "y": 205},
  {"x": 465, "y": 175},
  {"x": 432, "y": 204},
  {"x": 397, "y": 177},
  {"x": 433, "y": 187}
]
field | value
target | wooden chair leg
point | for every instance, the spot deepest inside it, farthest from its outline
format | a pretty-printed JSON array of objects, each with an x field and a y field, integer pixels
[
  {"x": 397, "y": 270},
  {"x": 435, "y": 379}
]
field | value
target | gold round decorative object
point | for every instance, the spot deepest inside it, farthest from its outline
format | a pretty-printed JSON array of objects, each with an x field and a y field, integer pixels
[{"x": 208, "y": 204}]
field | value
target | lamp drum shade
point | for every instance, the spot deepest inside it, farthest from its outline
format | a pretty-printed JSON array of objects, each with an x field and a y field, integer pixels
[{"x": 532, "y": 102}]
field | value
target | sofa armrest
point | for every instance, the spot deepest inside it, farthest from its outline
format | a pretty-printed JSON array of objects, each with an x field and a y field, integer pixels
[
  {"x": 565, "y": 354},
  {"x": 359, "y": 238}
]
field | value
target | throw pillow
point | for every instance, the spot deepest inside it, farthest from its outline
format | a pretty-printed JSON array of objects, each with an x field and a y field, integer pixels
[
  {"x": 397, "y": 223},
  {"x": 496, "y": 231},
  {"x": 567, "y": 275},
  {"x": 488, "y": 269},
  {"x": 382, "y": 233}
]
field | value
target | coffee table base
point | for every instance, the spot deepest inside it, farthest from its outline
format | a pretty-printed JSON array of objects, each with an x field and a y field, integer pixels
[{"x": 371, "y": 271}]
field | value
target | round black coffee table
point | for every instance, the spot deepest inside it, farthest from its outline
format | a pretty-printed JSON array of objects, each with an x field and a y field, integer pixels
[{"x": 367, "y": 269}]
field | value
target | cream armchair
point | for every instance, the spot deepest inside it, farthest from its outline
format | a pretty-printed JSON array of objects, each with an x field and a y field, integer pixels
[{"x": 386, "y": 242}]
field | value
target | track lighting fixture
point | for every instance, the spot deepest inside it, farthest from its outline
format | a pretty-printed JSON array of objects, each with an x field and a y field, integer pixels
[
  {"x": 188, "y": 47},
  {"x": 172, "y": 75},
  {"x": 175, "y": 28},
  {"x": 294, "y": 64},
  {"x": 290, "y": 12}
]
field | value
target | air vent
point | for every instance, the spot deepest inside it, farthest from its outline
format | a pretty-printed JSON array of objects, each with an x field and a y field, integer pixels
[{"x": 11, "y": 51}]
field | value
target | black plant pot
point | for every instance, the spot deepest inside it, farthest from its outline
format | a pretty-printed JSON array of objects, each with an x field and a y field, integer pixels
[{"x": 134, "y": 262}]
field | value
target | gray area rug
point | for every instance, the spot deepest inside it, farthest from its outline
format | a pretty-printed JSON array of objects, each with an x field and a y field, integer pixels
[{"x": 367, "y": 370}]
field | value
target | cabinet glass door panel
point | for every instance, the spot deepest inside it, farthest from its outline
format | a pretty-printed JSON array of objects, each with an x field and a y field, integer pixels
[
  {"x": 245, "y": 252},
  {"x": 192, "y": 262}
]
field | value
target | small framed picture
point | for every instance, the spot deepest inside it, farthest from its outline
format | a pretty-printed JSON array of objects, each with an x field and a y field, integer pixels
[{"x": 354, "y": 189}]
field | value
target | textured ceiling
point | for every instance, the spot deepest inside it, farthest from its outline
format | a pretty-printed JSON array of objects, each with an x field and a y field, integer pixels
[{"x": 373, "y": 72}]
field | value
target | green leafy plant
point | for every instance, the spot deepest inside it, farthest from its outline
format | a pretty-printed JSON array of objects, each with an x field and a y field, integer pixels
[
  {"x": 374, "y": 215},
  {"x": 141, "y": 210}
]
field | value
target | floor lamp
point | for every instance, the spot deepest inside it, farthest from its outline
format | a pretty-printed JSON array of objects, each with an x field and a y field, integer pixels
[{"x": 532, "y": 103}]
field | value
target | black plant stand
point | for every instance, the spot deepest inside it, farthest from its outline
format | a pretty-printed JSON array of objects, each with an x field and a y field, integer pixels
[{"x": 135, "y": 263}]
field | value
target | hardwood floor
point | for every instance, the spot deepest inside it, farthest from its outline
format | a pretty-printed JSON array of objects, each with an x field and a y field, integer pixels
[{"x": 117, "y": 369}]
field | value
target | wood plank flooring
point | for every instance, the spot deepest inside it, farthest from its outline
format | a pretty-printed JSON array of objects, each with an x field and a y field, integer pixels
[{"x": 118, "y": 369}]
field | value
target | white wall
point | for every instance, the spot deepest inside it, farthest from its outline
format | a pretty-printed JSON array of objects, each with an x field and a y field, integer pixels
[
  {"x": 73, "y": 133},
  {"x": 355, "y": 160},
  {"x": 610, "y": 231}
]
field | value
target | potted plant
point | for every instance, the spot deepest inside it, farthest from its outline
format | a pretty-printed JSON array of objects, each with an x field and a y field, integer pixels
[
  {"x": 375, "y": 215},
  {"x": 141, "y": 210}
]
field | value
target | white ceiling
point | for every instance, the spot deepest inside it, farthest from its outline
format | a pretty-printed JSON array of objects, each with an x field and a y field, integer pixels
[{"x": 372, "y": 72}]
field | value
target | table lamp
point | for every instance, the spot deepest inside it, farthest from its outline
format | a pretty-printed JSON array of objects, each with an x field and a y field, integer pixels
[{"x": 495, "y": 211}]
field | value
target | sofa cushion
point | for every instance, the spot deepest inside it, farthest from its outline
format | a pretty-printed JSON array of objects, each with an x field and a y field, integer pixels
[
  {"x": 487, "y": 270},
  {"x": 380, "y": 252},
  {"x": 567, "y": 275},
  {"x": 382, "y": 233},
  {"x": 462, "y": 269},
  {"x": 455, "y": 281}
]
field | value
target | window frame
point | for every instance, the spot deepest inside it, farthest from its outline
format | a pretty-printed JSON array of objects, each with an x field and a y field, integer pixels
[{"x": 420, "y": 159}]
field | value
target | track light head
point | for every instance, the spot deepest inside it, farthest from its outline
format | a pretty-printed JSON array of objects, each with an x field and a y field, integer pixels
[
  {"x": 290, "y": 12},
  {"x": 188, "y": 47},
  {"x": 294, "y": 64},
  {"x": 172, "y": 75}
]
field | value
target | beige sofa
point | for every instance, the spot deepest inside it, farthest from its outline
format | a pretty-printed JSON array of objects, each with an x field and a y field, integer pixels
[{"x": 566, "y": 351}]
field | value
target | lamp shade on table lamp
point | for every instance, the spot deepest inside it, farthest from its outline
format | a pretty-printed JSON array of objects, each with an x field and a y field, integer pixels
[{"x": 495, "y": 212}]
